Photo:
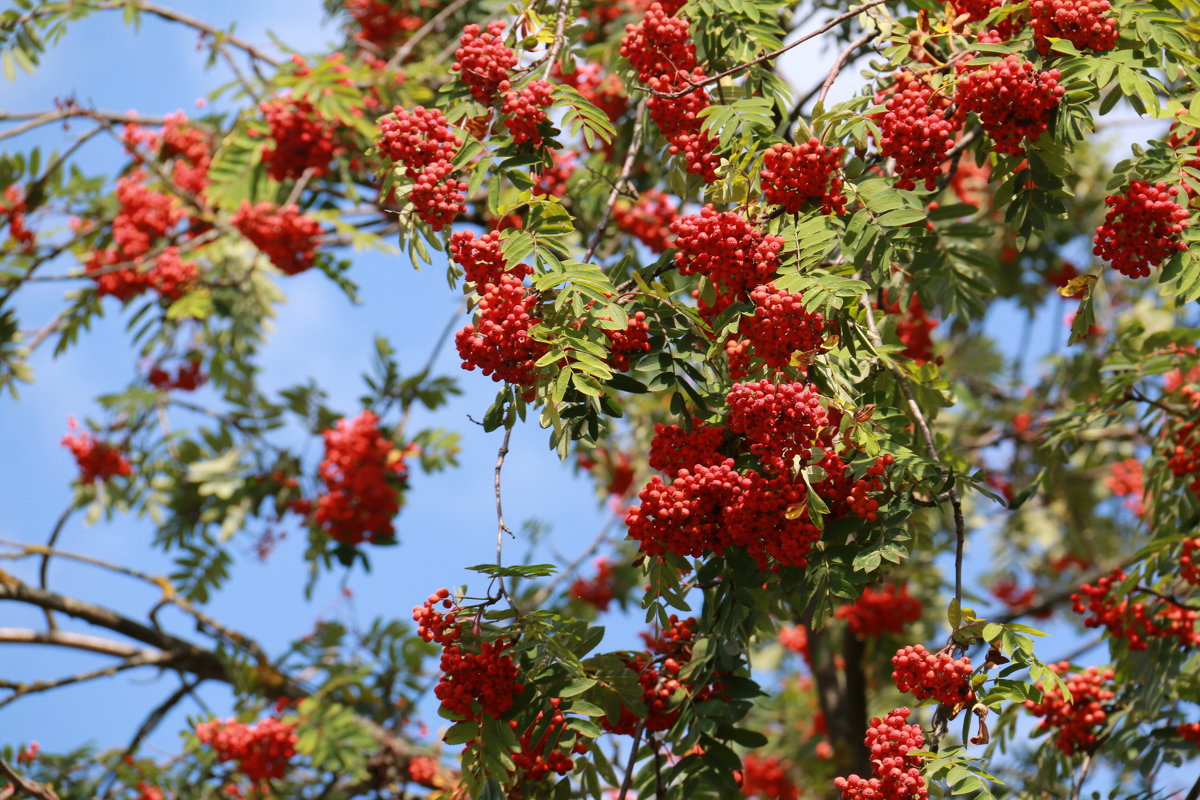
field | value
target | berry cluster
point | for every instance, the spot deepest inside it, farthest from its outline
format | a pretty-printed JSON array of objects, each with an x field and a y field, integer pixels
[
  {"x": 1084, "y": 23},
  {"x": 552, "y": 181},
  {"x": 1080, "y": 720},
  {"x": 617, "y": 467},
  {"x": 483, "y": 61},
  {"x": 875, "y": 613},
  {"x": 660, "y": 49},
  {"x": 1142, "y": 228},
  {"x": 363, "y": 473},
  {"x": 780, "y": 422},
  {"x": 423, "y": 770},
  {"x": 262, "y": 750},
  {"x": 1018, "y": 600},
  {"x": 1125, "y": 480},
  {"x": 481, "y": 258},
  {"x": 1189, "y": 564},
  {"x": 794, "y": 174},
  {"x": 969, "y": 182},
  {"x": 96, "y": 460},
  {"x": 624, "y": 343},
  {"x": 13, "y": 206},
  {"x": 649, "y": 219},
  {"x": 525, "y": 114},
  {"x": 1012, "y": 101},
  {"x": 914, "y": 131},
  {"x": 188, "y": 377},
  {"x": 190, "y": 148},
  {"x": 381, "y": 24},
  {"x": 709, "y": 506},
  {"x": 1190, "y": 731},
  {"x": 472, "y": 684},
  {"x": 596, "y": 591},
  {"x": 499, "y": 343},
  {"x": 281, "y": 233},
  {"x": 937, "y": 675},
  {"x": 301, "y": 139},
  {"x": 767, "y": 779},
  {"x": 897, "y": 775},
  {"x": 486, "y": 681},
  {"x": 781, "y": 326},
  {"x": 423, "y": 142},
  {"x": 658, "y": 674},
  {"x": 795, "y": 638},
  {"x": 1138, "y": 622},
  {"x": 724, "y": 247},
  {"x": 603, "y": 90},
  {"x": 913, "y": 328},
  {"x": 673, "y": 448},
  {"x": 145, "y": 215},
  {"x": 542, "y": 746},
  {"x": 171, "y": 276}
]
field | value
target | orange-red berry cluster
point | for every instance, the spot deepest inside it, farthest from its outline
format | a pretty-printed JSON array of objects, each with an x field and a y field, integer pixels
[
  {"x": 498, "y": 344},
  {"x": 622, "y": 344},
  {"x": 1142, "y": 228},
  {"x": 794, "y": 174},
  {"x": 525, "y": 113},
  {"x": 724, "y": 247},
  {"x": 661, "y": 50},
  {"x": 875, "y": 613},
  {"x": 301, "y": 139},
  {"x": 767, "y": 778},
  {"x": 933, "y": 675},
  {"x": 188, "y": 377},
  {"x": 1125, "y": 480},
  {"x": 897, "y": 775},
  {"x": 1013, "y": 101},
  {"x": 1135, "y": 622},
  {"x": 96, "y": 460},
  {"x": 363, "y": 474},
  {"x": 422, "y": 141},
  {"x": 649, "y": 219},
  {"x": 1189, "y": 563},
  {"x": 658, "y": 674},
  {"x": 914, "y": 131},
  {"x": 262, "y": 750},
  {"x": 914, "y": 328},
  {"x": 483, "y": 61},
  {"x": 381, "y": 24},
  {"x": 709, "y": 506},
  {"x": 781, "y": 326},
  {"x": 596, "y": 591},
  {"x": 1079, "y": 721},
  {"x": 545, "y": 746},
  {"x": 13, "y": 206},
  {"x": 472, "y": 684},
  {"x": 285, "y": 236},
  {"x": 1084, "y": 23}
]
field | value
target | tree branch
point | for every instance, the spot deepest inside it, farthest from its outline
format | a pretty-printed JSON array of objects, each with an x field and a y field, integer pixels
[{"x": 24, "y": 785}]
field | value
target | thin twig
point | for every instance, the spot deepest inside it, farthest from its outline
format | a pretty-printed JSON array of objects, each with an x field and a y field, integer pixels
[
  {"x": 44, "y": 568},
  {"x": 421, "y": 32},
  {"x": 551, "y": 55},
  {"x": 930, "y": 450},
  {"x": 141, "y": 659},
  {"x": 840, "y": 62},
  {"x": 501, "y": 528},
  {"x": 633, "y": 749},
  {"x": 626, "y": 168},
  {"x": 599, "y": 540}
]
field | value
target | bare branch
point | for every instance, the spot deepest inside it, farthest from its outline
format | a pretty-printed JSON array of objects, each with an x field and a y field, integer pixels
[
  {"x": 24, "y": 785},
  {"x": 405, "y": 49},
  {"x": 635, "y": 141}
]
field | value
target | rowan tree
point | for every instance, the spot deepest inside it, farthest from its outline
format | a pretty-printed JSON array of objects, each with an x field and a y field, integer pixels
[{"x": 785, "y": 326}]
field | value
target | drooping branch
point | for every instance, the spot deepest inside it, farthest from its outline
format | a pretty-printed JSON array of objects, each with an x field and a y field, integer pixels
[{"x": 437, "y": 19}]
